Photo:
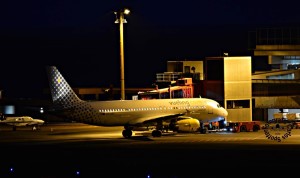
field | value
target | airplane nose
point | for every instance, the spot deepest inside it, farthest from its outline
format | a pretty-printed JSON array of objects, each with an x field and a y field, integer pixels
[
  {"x": 222, "y": 112},
  {"x": 225, "y": 112}
]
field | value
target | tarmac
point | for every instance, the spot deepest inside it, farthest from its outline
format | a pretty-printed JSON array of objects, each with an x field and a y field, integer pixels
[{"x": 79, "y": 150}]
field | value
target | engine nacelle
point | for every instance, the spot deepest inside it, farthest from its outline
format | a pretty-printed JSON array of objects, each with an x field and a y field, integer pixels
[{"x": 188, "y": 125}]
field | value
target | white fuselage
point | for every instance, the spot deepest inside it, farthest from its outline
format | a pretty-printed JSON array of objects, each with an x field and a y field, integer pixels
[{"x": 121, "y": 112}]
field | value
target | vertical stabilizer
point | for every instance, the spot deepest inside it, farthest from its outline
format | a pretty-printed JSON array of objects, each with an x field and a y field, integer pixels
[{"x": 61, "y": 92}]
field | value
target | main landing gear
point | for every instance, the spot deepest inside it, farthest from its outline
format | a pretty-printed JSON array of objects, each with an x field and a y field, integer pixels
[
  {"x": 202, "y": 129},
  {"x": 127, "y": 132}
]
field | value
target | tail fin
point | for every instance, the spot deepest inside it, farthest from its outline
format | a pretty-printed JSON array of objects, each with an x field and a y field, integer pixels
[{"x": 61, "y": 92}]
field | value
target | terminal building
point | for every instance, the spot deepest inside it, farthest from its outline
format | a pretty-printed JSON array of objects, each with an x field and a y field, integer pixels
[
  {"x": 216, "y": 78},
  {"x": 277, "y": 86},
  {"x": 249, "y": 87}
]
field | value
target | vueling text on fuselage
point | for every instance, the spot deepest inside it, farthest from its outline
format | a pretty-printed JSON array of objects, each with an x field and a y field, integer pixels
[{"x": 180, "y": 103}]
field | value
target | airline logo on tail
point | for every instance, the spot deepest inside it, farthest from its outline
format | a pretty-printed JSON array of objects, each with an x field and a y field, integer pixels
[
  {"x": 58, "y": 80},
  {"x": 61, "y": 92}
]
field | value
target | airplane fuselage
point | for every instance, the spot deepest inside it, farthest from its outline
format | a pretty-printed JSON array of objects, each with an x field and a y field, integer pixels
[{"x": 122, "y": 112}]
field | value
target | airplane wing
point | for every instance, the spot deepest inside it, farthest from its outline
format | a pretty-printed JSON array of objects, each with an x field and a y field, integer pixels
[
  {"x": 151, "y": 119},
  {"x": 3, "y": 122},
  {"x": 163, "y": 118}
]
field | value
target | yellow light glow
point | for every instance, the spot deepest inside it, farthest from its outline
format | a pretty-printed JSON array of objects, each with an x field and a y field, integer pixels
[{"x": 126, "y": 11}]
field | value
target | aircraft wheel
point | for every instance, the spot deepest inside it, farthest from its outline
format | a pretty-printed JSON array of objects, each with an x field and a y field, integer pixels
[
  {"x": 243, "y": 128},
  {"x": 34, "y": 128},
  {"x": 127, "y": 133},
  {"x": 14, "y": 128},
  {"x": 156, "y": 133},
  {"x": 203, "y": 131},
  {"x": 255, "y": 128}
]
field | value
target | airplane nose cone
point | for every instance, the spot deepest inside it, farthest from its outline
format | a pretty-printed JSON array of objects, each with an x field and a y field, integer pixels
[{"x": 225, "y": 113}]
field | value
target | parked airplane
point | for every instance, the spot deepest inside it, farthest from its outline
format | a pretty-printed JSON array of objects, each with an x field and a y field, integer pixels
[
  {"x": 22, "y": 121},
  {"x": 129, "y": 113}
]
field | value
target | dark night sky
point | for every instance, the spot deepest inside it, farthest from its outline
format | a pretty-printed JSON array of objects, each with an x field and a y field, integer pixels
[{"x": 81, "y": 39}]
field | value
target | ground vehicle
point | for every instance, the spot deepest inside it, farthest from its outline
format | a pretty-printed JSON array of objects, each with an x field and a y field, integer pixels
[
  {"x": 286, "y": 116},
  {"x": 244, "y": 126},
  {"x": 293, "y": 118}
]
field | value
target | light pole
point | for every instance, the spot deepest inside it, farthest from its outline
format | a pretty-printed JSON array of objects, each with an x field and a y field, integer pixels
[{"x": 120, "y": 19}]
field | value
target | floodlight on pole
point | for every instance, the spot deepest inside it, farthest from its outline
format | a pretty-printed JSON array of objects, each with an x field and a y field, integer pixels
[{"x": 120, "y": 19}]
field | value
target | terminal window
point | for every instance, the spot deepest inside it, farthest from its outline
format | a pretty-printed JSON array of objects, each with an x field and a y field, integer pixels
[{"x": 237, "y": 104}]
